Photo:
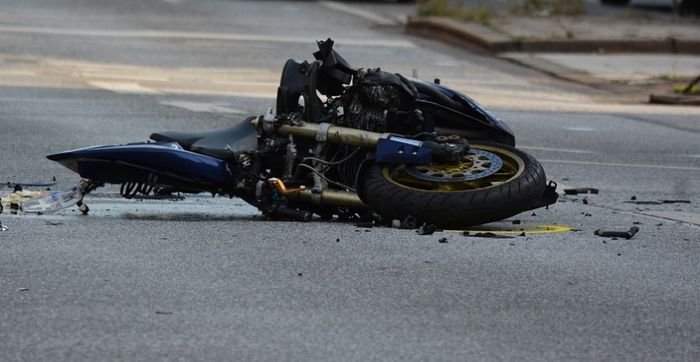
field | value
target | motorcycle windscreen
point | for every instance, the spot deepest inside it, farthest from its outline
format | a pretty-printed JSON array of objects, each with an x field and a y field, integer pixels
[{"x": 162, "y": 164}]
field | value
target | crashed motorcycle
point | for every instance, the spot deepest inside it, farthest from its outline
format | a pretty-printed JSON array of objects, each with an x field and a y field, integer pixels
[{"x": 343, "y": 142}]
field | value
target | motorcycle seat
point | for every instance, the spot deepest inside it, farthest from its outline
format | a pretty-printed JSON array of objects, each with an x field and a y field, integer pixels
[{"x": 221, "y": 144}]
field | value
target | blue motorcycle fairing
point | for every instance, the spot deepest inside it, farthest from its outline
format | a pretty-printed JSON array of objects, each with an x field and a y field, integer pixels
[
  {"x": 465, "y": 100},
  {"x": 163, "y": 163},
  {"x": 457, "y": 111}
]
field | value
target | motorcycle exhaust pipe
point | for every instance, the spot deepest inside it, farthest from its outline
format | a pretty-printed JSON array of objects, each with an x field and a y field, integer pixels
[
  {"x": 325, "y": 198},
  {"x": 323, "y": 132}
]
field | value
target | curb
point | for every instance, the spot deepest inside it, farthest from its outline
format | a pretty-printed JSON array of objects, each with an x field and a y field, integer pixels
[
  {"x": 572, "y": 75},
  {"x": 460, "y": 33}
]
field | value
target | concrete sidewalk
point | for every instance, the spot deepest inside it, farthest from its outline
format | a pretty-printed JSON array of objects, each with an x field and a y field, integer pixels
[{"x": 632, "y": 53}]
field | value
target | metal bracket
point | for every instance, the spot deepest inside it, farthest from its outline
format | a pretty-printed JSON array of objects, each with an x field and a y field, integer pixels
[{"x": 322, "y": 133}]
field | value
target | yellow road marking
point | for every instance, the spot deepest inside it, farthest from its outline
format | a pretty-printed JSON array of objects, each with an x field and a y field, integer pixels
[{"x": 532, "y": 229}]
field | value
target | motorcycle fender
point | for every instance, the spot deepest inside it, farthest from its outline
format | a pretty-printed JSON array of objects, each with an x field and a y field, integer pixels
[{"x": 165, "y": 164}]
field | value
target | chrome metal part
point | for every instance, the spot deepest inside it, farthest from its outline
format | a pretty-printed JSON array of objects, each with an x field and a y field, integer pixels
[
  {"x": 322, "y": 133},
  {"x": 289, "y": 158},
  {"x": 335, "y": 134}
]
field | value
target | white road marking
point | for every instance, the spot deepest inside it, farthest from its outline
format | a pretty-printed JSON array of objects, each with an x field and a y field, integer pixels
[
  {"x": 17, "y": 72},
  {"x": 565, "y": 150},
  {"x": 228, "y": 93},
  {"x": 123, "y": 87},
  {"x": 202, "y": 107},
  {"x": 364, "y": 14},
  {"x": 173, "y": 1},
  {"x": 613, "y": 164},
  {"x": 159, "y": 34}
]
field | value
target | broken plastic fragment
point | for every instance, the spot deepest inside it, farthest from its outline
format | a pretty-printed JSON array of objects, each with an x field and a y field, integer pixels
[
  {"x": 582, "y": 190},
  {"x": 618, "y": 234},
  {"x": 487, "y": 235},
  {"x": 51, "y": 202}
]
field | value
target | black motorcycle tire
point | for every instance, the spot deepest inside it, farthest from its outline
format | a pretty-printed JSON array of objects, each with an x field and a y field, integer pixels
[{"x": 460, "y": 208}]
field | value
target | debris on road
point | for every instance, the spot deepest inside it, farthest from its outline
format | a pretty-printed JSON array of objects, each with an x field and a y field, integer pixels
[
  {"x": 53, "y": 223},
  {"x": 582, "y": 190},
  {"x": 442, "y": 241},
  {"x": 643, "y": 202},
  {"x": 364, "y": 224},
  {"x": 426, "y": 229},
  {"x": 23, "y": 289},
  {"x": 617, "y": 234},
  {"x": 38, "y": 202},
  {"x": 163, "y": 312},
  {"x": 659, "y": 202},
  {"x": 487, "y": 235},
  {"x": 20, "y": 185},
  {"x": 3, "y": 227}
]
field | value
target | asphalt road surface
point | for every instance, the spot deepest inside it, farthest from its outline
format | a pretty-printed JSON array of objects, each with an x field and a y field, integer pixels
[{"x": 207, "y": 279}]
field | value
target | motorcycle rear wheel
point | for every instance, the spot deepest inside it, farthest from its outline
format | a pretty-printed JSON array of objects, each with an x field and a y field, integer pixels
[{"x": 517, "y": 185}]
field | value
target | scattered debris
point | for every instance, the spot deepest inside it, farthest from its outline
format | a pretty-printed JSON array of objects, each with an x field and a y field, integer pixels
[
  {"x": 516, "y": 222},
  {"x": 651, "y": 202},
  {"x": 23, "y": 289},
  {"x": 38, "y": 201},
  {"x": 622, "y": 234},
  {"x": 633, "y": 198},
  {"x": 487, "y": 235},
  {"x": 585, "y": 201},
  {"x": 582, "y": 190},
  {"x": 163, "y": 312},
  {"x": 533, "y": 214},
  {"x": 643, "y": 202},
  {"x": 337, "y": 240},
  {"x": 16, "y": 185},
  {"x": 3, "y": 227},
  {"x": 426, "y": 229},
  {"x": 364, "y": 224},
  {"x": 442, "y": 241},
  {"x": 300, "y": 274},
  {"x": 53, "y": 223},
  {"x": 637, "y": 223},
  {"x": 522, "y": 234}
]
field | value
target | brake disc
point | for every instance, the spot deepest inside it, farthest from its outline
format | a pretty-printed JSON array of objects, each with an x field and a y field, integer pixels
[{"x": 476, "y": 164}]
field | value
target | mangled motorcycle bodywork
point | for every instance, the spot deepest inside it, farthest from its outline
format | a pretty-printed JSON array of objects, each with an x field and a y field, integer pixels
[{"x": 376, "y": 143}]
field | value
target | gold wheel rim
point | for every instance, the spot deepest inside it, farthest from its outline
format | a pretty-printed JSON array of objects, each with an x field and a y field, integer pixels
[{"x": 513, "y": 166}]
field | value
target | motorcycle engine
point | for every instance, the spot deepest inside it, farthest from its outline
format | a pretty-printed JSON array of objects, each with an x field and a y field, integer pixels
[{"x": 382, "y": 102}]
